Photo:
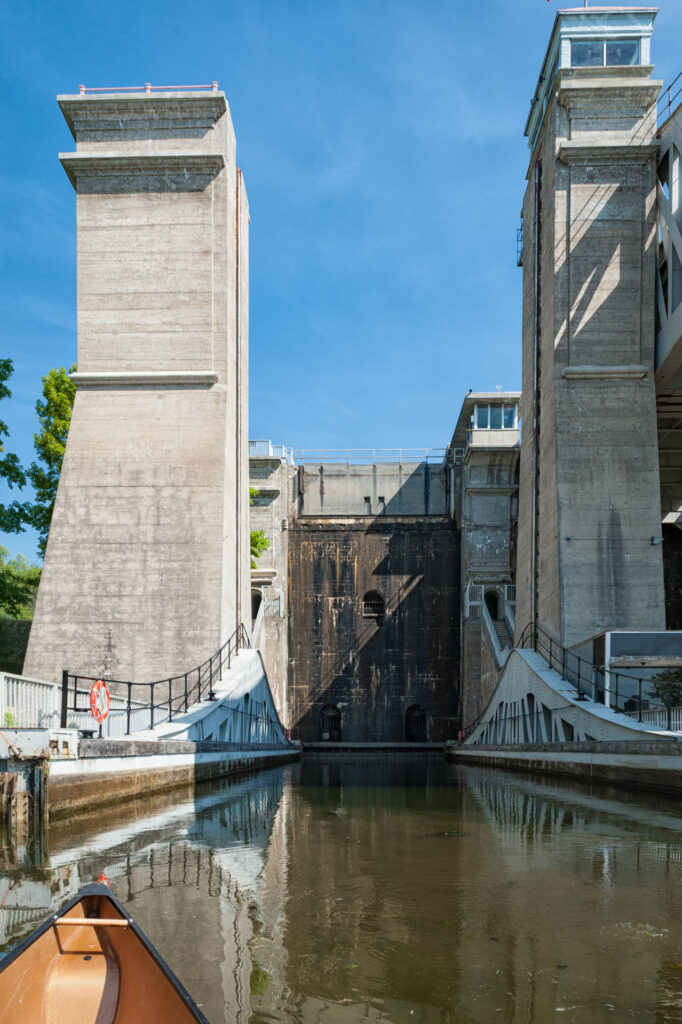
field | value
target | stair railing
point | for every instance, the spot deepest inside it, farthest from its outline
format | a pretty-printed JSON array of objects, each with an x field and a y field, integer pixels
[{"x": 146, "y": 705}]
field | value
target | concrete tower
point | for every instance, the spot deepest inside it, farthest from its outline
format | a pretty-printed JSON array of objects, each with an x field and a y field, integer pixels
[
  {"x": 147, "y": 565},
  {"x": 589, "y": 552}
]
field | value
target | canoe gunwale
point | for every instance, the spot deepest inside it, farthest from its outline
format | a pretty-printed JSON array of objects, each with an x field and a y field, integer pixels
[{"x": 97, "y": 889}]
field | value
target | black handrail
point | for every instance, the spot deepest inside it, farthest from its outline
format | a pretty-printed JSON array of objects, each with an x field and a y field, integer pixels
[
  {"x": 664, "y": 107},
  {"x": 586, "y": 676},
  {"x": 179, "y": 692}
]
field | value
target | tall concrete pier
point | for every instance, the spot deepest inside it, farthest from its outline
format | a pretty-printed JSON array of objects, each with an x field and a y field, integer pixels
[
  {"x": 589, "y": 544},
  {"x": 147, "y": 568}
]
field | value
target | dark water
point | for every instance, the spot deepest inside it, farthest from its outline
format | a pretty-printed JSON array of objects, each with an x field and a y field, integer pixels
[{"x": 337, "y": 892}]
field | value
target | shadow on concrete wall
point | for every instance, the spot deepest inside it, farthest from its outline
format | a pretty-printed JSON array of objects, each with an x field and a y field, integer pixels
[{"x": 374, "y": 669}]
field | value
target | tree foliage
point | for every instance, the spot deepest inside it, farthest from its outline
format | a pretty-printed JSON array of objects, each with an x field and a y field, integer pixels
[
  {"x": 11, "y": 518},
  {"x": 18, "y": 585},
  {"x": 666, "y": 686},
  {"x": 54, "y": 415},
  {"x": 259, "y": 542}
]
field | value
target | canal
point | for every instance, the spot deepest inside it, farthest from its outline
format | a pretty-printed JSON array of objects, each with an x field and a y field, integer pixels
[{"x": 409, "y": 893}]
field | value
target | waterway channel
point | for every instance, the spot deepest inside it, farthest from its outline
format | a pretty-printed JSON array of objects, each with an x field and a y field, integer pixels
[{"x": 407, "y": 893}]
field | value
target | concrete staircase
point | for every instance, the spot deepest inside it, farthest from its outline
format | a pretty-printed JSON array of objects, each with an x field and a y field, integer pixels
[{"x": 503, "y": 633}]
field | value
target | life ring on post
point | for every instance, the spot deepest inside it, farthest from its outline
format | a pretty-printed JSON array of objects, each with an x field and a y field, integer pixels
[{"x": 100, "y": 701}]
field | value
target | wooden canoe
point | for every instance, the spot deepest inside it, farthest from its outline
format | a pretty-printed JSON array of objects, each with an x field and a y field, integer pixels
[{"x": 91, "y": 964}]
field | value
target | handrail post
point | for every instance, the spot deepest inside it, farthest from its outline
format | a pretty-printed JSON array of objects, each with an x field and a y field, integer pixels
[
  {"x": 170, "y": 700},
  {"x": 128, "y": 708},
  {"x": 151, "y": 724},
  {"x": 186, "y": 696},
  {"x": 65, "y": 698}
]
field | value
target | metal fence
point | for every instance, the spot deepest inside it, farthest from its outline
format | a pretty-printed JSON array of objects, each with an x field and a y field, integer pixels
[
  {"x": 368, "y": 456},
  {"x": 654, "y": 701},
  {"x": 145, "y": 705}
]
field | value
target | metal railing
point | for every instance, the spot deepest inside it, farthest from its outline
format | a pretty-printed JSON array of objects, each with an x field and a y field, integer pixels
[
  {"x": 353, "y": 456},
  {"x": 145, "y": 705},
  {"x": 623, "y": 692},
  {"x": 268, "y": 450},
  {"x": 668, "y": 98},
  {"x": 148, "y": 87}
]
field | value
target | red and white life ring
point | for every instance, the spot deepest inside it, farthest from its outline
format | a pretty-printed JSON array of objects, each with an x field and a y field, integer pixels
[{"x": 100, "y": 701}]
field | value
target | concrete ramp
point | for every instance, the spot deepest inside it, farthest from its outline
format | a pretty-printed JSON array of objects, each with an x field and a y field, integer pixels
[
  {"x": 242, "y": 710},
  {"x": 533, "y": 704}
]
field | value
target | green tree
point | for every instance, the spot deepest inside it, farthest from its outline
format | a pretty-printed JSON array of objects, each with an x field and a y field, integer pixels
[
  {"x": 259, "y": 542},
  {"x": 667, "y": 686},
  {"x": 11, "y": 516},
  {"x": 18, "y": 586},
  {"x": 54, "y": 415}
]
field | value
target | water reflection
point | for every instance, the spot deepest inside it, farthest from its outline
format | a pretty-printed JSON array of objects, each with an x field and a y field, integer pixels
[{"x": 328, "y": 892}]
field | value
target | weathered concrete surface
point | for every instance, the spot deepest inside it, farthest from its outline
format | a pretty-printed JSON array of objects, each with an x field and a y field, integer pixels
[
  {"x": 108, "y": 772},
  {"x": 373, "y": 670},
  {"x": 385, "y": 488},
  {"x": 146, "y": 570},
  {"x": 589, "y": 452},
  {"x": 270, "y": 512},
  {"x": 484, "y": 496},
  {"x": 655, "y": 765}
]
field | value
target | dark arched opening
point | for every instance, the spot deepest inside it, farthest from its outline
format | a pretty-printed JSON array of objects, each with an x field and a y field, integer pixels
[
  {"x": 373, "y": 605},
  {"x": 330, "y": 723},
  {"x": 256, "y": 598},
  {"x": 492, "y": 603},
  {"x": 415, "y": 724}
]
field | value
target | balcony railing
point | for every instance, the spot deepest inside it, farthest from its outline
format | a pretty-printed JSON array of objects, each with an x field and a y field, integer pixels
[{"x": 268, "y": 450}]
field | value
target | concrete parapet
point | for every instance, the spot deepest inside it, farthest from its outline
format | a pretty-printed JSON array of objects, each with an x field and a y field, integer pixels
[
  {"x": 111, "y": 771},
  {"x": 636, "y": 764}
]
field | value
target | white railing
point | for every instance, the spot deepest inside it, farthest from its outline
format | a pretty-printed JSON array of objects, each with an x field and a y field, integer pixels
[
  {"x": 510, "y": 606},
  {"x": 29, "y": 703},
  {"x": 368, "y": 456},
  {"x": 501, "y": 653},
  {"x": 473, "y": 601},
  {"x": 36, "y": 704},
  {"x": 659, "y": 717},
  {"x": 268, "y": 450},
  {"x": 274, "y": 606}
]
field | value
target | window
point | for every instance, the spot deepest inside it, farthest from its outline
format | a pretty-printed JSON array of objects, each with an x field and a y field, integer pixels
[
  {"x": 622, "y": 51},
  {"x": 596, "y": 53},
  {"x": 495, "y": 417},
  {"x": 587, "y": 54},
  {"x": 373, "y": 605}
]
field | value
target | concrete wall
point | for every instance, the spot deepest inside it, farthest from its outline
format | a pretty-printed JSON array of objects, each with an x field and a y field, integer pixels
[
  {"x": 271, "y": 512},
  {"x": 374, "y": 670},
  {"x": 329, "y": 489},
  {"x": 146, "y": 569},
  {"x": 597, "y": 471}
]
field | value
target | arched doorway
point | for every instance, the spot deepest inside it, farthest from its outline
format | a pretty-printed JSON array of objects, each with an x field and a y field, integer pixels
[
  {"x": 330, "y": 723},
  {"x": 415, "y": 724},
  {"x": 492, "y": 603},
  {"x": 256, "y": 598}
]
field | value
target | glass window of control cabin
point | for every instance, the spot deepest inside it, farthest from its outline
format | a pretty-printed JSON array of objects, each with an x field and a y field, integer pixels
[
  {"x": 495, "y": 417},
  {"x": 598, "y": 53}
]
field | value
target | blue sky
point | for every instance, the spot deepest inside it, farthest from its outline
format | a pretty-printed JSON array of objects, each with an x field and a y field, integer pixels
[{"x": 382, "y": 147}]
